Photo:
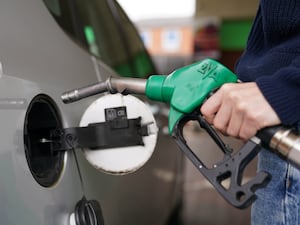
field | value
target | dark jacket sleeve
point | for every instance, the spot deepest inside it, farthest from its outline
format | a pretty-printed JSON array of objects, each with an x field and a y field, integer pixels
[{"x": 282, "y": 91}]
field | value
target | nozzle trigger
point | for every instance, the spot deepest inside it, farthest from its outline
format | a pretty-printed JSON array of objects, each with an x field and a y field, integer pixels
[{"x": 231, "y": 167}]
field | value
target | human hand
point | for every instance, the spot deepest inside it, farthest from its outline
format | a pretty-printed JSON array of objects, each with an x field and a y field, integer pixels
[{"x": 239, "y": 110}]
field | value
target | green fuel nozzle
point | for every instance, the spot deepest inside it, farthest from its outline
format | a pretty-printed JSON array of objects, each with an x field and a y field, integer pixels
[{"x": 185, "y": 89}]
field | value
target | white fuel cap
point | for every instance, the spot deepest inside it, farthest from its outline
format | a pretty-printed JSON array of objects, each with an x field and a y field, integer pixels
[{"x": 121, "y": 160}]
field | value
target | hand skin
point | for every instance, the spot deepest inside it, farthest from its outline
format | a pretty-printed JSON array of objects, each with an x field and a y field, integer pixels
[{"x": 239, "y": 110}]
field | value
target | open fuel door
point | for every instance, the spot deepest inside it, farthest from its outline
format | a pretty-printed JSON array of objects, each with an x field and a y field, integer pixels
[{"x": 117, "y": 134}]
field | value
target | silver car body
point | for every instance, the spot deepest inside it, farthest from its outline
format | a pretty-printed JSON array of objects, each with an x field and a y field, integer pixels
[{"x": 37, "y": 57}]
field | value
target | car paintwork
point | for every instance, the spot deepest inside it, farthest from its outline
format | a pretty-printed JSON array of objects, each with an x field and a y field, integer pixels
[{"x": 37, "y": 57}]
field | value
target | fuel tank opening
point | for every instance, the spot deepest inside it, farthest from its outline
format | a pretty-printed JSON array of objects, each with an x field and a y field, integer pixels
[{"x": 41, "y": 117}]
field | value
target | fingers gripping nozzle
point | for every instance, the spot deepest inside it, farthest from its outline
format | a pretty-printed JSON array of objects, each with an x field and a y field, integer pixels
[{"x": 111, "y": 85}]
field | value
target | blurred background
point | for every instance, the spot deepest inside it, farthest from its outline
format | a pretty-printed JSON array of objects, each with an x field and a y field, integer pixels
[{"x": 177, "y": 33}]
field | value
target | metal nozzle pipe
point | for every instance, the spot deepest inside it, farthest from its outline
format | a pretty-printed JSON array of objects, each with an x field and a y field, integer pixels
[
  {"x": 112, "y": 85},
  {"x": 80, "y": 93},
  {"x": 128, "y": 85}
]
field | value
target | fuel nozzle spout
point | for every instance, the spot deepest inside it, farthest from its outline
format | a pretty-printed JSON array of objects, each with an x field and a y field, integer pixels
[{"x": 112, "y": 85}]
